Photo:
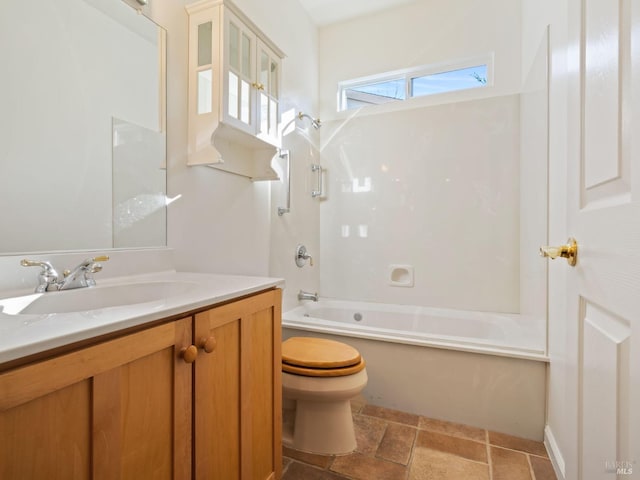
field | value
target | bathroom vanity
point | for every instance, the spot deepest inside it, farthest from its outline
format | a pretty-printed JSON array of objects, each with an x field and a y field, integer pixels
[{"x": 177, "y": 388}]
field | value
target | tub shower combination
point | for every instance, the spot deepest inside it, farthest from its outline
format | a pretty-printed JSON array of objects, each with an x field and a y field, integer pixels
[{"x": 482, "y": 369}]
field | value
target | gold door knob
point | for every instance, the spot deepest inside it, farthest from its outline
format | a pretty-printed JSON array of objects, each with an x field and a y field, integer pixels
[
  {"x": 189, "y": 354},
  {"x": 568, "y": 251},
  {"x": 258, "y": 85},
  {"x": 208, "y": 344}
]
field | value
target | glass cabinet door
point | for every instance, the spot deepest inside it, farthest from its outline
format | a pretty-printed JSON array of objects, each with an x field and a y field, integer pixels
[
  {"x": 240, "y": 47},
  {"x": 204, "y": 86},
  {"x": 268, "y": 91}
]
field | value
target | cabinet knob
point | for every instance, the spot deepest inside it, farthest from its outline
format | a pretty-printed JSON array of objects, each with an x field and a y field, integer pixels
[
  {"x": 189, "y": 354},
  {"x": 208, "y": 344}
]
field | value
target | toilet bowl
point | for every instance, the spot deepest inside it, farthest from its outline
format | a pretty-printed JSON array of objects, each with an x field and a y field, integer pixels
[{"x": 319, "y": 378}]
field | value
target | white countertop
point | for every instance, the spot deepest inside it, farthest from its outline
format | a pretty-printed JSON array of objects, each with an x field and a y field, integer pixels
[{"x": 26, "y": 334}]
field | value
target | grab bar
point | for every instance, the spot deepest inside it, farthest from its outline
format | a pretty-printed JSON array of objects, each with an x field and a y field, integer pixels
[
  {"x": 287, "y": 209},
  {"x": 317, "y": 169}
]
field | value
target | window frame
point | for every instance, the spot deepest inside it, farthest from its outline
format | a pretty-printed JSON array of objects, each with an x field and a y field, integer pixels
[{"x": 408, "y": 74}]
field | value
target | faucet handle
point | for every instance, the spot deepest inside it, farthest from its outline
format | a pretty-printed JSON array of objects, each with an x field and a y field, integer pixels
[
  {"x": 48, "y": 277},
  {"x": 95, "y": 268},
  {"x": 302, "y": 255},
  {"x": 89, "y": 262},
  {"x": 34, "y": 263},
  {"x": 47, "y": 268}
]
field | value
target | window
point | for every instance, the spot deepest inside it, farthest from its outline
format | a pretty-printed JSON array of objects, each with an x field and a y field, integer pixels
[
  {"x": 461, "y": 79},
  {"x": 415, "y": 82},
  {"x": 374, "y": 93}
]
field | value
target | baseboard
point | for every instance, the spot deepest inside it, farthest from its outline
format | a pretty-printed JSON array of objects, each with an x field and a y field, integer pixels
[{"x": 554, "y": 453}]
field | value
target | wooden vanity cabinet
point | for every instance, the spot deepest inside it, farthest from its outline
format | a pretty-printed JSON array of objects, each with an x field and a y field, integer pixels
[{"x": 138, "y": 406}]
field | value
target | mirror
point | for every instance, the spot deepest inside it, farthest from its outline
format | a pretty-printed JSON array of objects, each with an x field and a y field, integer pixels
[{"x": 82, "y": 130}]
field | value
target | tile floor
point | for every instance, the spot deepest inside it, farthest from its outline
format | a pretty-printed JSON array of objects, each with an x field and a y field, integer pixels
[{"x": 394, "y": 445}]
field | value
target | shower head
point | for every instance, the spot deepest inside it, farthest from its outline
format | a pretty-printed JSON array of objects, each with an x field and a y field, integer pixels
[{"x": 314, "y": 121}]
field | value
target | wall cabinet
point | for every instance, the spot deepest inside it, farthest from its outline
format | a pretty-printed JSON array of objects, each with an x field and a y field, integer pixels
[
  {"x": 234, "y": 91},
  {"x": 198, "y": 397}
]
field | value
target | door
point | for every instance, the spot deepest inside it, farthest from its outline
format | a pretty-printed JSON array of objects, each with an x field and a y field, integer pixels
[{"x": 603, "y": 214}]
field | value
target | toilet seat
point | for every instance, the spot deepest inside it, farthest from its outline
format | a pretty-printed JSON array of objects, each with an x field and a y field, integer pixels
[{"x": 318, "y": 357}]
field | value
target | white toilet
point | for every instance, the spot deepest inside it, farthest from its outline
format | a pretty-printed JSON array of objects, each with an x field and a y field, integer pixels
[{"x": 319, "y": 378}]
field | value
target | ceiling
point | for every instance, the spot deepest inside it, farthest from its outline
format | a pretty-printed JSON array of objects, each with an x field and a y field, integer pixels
[{"x": 325, "y": 12}]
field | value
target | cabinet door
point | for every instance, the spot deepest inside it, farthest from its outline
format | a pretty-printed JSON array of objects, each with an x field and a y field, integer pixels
[
  {"x": 239, "y": 67},
  {"x": 204, "y": 84},
  {"x": 268, "y": 88},
  {"x": 120, "y": 409},
  {"x": 238, "y": 391}
]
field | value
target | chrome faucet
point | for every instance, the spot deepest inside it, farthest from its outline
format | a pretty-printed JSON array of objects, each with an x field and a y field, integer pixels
[
  {"x": 302, "y": 295},
  {"x": 80, "y": 277}
]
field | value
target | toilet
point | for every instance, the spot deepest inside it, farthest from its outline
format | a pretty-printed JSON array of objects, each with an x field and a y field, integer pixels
[{"x": 319, "y": 378}]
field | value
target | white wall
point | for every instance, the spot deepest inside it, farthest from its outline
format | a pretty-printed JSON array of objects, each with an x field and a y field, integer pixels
[
  {"x": 288, "y": 25},
  {"x": 444, "y": 178},
  {"x": 420, "y": 33},
  {"x": 561, "y": 393},
  {"x": 222, "y": 222},
  {"x": 435, "y": 188},
  {"x": 301, "y": 225},
  {"x": 534, "y": 133}
]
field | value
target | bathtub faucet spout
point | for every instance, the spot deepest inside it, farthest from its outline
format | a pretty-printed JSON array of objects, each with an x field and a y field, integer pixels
[{"x": 302, "y": 295}]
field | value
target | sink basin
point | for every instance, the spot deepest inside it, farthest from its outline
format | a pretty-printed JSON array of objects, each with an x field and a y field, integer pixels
[{"x": 94, "y": 298}]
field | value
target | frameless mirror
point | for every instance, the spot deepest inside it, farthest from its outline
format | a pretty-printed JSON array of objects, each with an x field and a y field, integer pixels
[{"x": 82, "y": 130}]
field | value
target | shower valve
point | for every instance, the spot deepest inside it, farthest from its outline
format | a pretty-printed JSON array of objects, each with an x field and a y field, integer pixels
[{"x": 302, "y": 256}]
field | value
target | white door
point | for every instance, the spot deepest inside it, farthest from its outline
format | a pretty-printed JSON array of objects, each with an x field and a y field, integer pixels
[{"x": 603, "y": 212}]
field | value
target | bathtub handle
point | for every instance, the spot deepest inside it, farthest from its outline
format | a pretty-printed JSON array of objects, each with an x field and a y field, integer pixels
[
  {"x": 286, "y": 209},
  {"x": 319, "y": 170}
]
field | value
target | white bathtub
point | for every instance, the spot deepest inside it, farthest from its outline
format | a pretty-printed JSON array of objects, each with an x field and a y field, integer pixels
[
  {"x": 481, "y": 369},
  {"x": 480, "y": 332}
]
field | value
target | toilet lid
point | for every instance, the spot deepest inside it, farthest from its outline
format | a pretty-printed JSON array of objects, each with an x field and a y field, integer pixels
[{"x": 317, "y": 357}]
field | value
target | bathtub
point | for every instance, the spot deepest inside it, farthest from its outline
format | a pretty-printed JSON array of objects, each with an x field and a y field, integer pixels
[
  {"x": 480, "y": 332},
  {"x": 481, "y": 369}
]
